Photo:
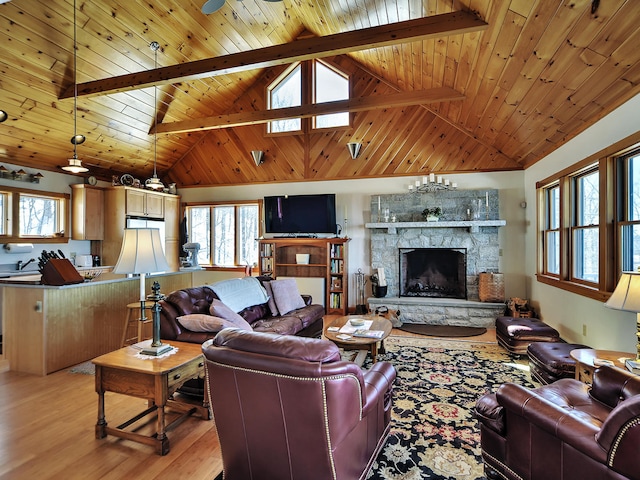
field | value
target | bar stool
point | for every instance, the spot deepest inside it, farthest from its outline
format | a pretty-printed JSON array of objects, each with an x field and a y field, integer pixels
[{"x": 135, "y": 321}]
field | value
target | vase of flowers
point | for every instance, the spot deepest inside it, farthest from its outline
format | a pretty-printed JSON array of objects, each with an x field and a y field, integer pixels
[{"x": 432, "y": 214}]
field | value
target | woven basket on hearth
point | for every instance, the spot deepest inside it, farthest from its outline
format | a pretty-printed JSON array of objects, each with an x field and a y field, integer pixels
[{"x": 491, "y": 287}]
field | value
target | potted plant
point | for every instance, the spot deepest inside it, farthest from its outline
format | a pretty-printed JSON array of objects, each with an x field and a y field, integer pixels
[{"x": 432, "y": 214}]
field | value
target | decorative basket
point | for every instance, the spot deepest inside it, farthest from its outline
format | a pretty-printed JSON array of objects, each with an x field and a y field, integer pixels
[{"x": 491, "y": 287}]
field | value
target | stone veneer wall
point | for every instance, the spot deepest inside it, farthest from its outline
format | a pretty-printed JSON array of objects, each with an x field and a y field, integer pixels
[{"x": 482, "y": 247}]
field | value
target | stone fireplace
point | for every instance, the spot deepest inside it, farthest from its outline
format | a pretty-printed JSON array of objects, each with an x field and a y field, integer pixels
[
  {"x": 432, "y": 268},
  {"x": 433, "y": 272}
]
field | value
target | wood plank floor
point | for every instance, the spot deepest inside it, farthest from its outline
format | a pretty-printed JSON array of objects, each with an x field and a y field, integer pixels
[{"x": 47, "y": 432}]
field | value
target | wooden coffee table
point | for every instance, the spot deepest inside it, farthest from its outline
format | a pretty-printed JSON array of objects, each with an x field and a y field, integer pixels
[
  {"x": 154, "y": 379},
  {"x": 365, "y": 345},
  {"x": 584, "y": 361}
]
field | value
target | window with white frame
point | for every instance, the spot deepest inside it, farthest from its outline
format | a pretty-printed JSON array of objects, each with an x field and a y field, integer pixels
[{"x": 227, "y": 233}]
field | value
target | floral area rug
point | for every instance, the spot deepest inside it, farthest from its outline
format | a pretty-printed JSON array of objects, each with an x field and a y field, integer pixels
[{"x": 434, "y": 434}]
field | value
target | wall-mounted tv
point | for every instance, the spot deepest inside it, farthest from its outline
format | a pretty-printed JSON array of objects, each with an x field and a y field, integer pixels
[{"x": 300, "y": 214}]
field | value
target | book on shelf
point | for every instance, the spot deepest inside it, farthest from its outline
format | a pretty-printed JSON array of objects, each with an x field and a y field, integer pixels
[
  {"x": 363, "y": 332},
  {"x": 633, "y": 365}
]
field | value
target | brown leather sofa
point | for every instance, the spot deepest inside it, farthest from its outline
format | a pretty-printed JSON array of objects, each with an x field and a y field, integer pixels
[
  {"x": 289, "y": 407},
  {"x": 305, "y": 321},
  {"x": 566, "y": 430}
]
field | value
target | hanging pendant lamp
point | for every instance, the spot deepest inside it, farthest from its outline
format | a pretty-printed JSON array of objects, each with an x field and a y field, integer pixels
[
  {"x": 74, "y": 164},
  {"x": 154, "y": 182}
]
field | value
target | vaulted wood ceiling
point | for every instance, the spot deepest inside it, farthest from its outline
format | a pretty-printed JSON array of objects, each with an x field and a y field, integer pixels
[{"x": 520, "y": 78}]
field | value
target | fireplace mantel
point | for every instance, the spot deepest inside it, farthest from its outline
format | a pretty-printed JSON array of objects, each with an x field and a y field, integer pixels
[{"x": 472, "y": 225}]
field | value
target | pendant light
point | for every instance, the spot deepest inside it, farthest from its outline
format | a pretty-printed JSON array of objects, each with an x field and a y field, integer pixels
[
  {"x": 154, "y": 182},
  {"x": 75, "y": 165}
]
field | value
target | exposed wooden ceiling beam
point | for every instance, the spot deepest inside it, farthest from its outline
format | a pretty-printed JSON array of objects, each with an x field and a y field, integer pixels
[
  {"x": 376, "y": 102},
  {"x": 434, "y": 26}
]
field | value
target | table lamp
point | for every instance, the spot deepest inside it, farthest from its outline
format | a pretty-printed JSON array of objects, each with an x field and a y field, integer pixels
[
  {"x": 141, "y": 254},
  {"x": 626, "y": 297}
]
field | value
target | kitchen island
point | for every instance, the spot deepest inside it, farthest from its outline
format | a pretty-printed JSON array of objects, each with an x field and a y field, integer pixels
[{"x": 48, "y": 328}]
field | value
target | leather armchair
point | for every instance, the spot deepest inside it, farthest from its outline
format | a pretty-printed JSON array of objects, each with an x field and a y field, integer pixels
[
  {"x": 565, "y": 430},
  {"x": 288, "y": 407}
]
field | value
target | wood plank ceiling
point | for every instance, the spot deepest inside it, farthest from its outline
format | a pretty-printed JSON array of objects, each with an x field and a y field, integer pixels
[{"x": 539, "y": 73}]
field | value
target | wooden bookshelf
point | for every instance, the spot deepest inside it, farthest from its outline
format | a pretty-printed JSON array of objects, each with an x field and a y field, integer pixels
[{"x": 327, "y": 260}]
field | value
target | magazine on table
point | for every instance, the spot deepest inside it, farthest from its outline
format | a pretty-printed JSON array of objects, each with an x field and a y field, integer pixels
[{"x": 368, "y": 333}]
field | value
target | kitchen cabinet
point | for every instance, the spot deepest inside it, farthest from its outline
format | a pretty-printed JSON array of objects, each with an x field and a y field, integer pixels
[
  {"x": 121, "y": 202},
  {"x": 87, "y": 207},
  {"x": 141, "y": 203}
]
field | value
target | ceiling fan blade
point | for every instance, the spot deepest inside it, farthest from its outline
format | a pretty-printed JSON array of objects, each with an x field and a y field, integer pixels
[{"x": 211, "y": 6}]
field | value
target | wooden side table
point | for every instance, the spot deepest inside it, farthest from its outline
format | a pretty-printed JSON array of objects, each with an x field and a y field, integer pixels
[
  {"x": 584, "y": 361},
  {"x": 154, "y": 379},
  {"x": 135, "y": 323}
]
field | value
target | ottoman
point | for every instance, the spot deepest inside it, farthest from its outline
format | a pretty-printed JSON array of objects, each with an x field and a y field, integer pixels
[
  {"x": 515, "y": 334},
  {"x": 550, "y": 361}
]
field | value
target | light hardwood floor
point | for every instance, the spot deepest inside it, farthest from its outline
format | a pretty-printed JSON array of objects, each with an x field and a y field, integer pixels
[{"x": 47, "y": 432}]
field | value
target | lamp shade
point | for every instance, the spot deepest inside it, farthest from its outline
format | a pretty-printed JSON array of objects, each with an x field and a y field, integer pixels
[
  {"x": 141, "y": 252},
  {"x": 626, "y": 296}
]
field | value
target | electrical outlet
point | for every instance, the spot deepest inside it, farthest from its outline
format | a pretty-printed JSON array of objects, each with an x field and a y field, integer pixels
[
  {"x": 38, "y": 306},
  {"x": 584, "y": 330}
]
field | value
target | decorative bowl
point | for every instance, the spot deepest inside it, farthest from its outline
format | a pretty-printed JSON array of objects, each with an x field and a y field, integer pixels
[{"x": 356, "y": 322}]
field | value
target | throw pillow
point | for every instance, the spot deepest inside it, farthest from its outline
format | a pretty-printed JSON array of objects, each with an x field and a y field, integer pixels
[
  {"x": 219, "y": 309},
  {"x": 271, "y": 302},
  {"x": 286, "y": 295},
  {"x": 199, "y": 322}
]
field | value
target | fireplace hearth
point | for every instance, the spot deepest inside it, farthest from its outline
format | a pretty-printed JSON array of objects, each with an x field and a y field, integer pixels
[{"x": 433, "y": 272}]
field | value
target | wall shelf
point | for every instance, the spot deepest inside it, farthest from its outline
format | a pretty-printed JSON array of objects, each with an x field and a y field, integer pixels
[
  {"x": 472, "y": 225},
  {"x": 328, "y": 260}
]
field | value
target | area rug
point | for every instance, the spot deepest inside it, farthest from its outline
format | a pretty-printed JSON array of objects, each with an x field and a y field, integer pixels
[
  {"x": 85, "y": 368},
  {"x": 434, "y": 434},
  {"x": 442, "y": 330}
]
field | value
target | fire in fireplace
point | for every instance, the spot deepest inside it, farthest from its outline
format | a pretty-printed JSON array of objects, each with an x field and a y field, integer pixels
[{"x": 433, "y": 272}]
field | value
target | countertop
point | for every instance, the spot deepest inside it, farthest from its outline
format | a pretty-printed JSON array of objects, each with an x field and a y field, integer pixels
[{"x": 33, "y": 278}]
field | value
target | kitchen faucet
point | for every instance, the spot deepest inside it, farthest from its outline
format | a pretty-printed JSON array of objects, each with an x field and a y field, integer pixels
[{"x": 21, "y": 265}]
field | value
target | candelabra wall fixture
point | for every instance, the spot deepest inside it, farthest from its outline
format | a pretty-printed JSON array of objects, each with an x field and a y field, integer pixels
[
  {"x": 432, "y": 183},
  {"x": 20, "y": 175}
]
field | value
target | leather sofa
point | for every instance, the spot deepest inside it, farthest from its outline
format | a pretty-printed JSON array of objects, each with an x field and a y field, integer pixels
[
  {"x": 566, "y": 430},
  {"x": 289, "y": 407},
  {"x": 305, "y": 321}
]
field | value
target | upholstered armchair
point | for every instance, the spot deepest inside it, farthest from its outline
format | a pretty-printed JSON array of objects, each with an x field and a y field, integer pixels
[
  {"x": 289, "y": 408},
  {"x": 565, "y": 430}
]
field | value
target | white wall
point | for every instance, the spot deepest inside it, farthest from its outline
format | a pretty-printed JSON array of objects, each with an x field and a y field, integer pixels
[
  {"x": 568, "y": 312},
  {"x": 356, "y": 196}
]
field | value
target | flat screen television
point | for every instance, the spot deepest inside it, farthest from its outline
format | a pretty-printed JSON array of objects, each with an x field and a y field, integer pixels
[{"x": 300, "y": 214}]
